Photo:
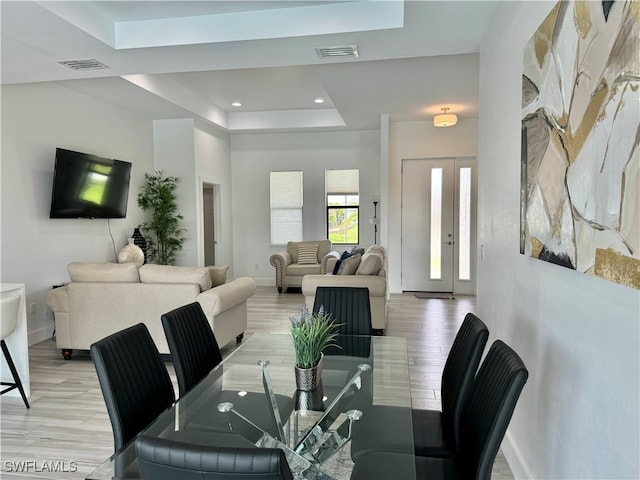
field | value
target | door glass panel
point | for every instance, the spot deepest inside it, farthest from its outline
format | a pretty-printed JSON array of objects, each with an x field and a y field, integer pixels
[
  {"x": 436, "y": 223},
  {"x": 464, "y": 227}
]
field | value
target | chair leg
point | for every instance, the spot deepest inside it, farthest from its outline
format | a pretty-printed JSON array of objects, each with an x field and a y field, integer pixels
[{"x": 14, "y": 372}]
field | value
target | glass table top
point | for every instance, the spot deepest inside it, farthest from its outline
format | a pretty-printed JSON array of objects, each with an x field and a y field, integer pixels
[{"x": 250, "y": 399}]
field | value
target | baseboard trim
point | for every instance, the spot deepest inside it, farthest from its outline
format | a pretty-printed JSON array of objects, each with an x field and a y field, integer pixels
[
  {"x": 39, "y": 335},
  {"x": 515, "y": 459},
  {"x": 265, "y": 281}
]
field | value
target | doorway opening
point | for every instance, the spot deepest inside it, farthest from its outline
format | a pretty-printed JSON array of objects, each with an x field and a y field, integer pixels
[{"x": 210, "y": 204}]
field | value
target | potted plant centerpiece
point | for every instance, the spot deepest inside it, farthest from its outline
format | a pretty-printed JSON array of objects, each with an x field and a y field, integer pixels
[{"x": 311, "y": 334}]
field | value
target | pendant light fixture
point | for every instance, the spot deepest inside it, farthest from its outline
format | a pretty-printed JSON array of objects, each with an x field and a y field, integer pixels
[{"x": 445, "y": 119}]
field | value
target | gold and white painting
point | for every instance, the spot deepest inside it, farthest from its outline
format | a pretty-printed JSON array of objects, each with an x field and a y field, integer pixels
[{"x": 580, "y": 195}]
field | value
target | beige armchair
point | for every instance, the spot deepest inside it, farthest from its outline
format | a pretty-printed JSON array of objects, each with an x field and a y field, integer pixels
[{"x": 300, "y": 259}]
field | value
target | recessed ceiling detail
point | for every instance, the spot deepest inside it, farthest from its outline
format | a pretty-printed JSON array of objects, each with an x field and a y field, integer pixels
[
  {"x": 84, "y": 64},
  {"x": 332, "y": 52}
]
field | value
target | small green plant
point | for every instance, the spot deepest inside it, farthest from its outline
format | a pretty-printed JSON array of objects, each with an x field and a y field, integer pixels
[
  {"x": 311, "y": 334},
  {"x": 163, "y": 232}
]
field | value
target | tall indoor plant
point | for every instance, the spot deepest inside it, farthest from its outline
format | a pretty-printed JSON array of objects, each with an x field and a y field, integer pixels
[{"x": 163, "y": 231}]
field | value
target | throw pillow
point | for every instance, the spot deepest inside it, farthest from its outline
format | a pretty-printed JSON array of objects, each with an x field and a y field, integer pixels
[
  {"x": 371, "y": 264},
  {"x": 349, "y": 265},
  {"x": 336, "y": 267},
  {"x": 308, "y": 254},
  {"x": 359, "y": 250}
]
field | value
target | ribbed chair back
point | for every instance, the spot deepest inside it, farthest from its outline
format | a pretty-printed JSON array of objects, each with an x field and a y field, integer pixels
[
  {"x": 458, "y": 374},
  {"x": 193, "y": 346},
  {"x": 488, "y": 410},
  {"x": 349, "y": 306},
  {"x": 135, "y": 383},
  {"x": 167, "y": 459}
]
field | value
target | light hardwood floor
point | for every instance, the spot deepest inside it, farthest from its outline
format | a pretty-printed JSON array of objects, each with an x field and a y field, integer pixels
[{"x": 67, "y": 433}]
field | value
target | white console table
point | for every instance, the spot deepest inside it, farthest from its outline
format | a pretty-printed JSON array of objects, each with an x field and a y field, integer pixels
[{"x": 17, "y": 342}]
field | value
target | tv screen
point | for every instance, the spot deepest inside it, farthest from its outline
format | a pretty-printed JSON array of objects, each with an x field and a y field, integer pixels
[{"x": 88, "y": 186}]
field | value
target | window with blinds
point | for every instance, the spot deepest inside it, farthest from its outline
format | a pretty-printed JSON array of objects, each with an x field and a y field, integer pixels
[
  {"x": 286, "y": 207},
  {"x": 343, "y": 206}
]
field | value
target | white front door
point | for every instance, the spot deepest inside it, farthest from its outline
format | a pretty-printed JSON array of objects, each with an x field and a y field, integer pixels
[{"x": 428, "y": 235}]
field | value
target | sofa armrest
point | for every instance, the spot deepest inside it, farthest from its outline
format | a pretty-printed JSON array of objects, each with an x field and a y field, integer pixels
[
  {"x": 58, "y": 300},
  {"x": 329, "y": 261},
  {"x": 280, "y": 261},
  {"x": 223, "y": 297},
  {"x": 58, "y": 303}
]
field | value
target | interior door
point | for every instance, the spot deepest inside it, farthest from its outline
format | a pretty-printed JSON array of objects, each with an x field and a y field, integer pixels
[
  {"x": 428, "y": 225},
  {"x": 209, "y": 232}
]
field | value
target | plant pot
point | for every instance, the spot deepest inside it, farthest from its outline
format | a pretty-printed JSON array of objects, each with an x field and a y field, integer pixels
[
  {"x": 310, "y": 400},
  {"x": 308, "y": 379}
]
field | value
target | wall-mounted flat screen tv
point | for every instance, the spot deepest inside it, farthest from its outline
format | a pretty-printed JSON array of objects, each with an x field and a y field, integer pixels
[{"x": 88, "y": 186}]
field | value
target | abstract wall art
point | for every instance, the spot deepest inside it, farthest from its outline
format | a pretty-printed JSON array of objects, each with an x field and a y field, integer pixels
[{"x": 580, "y": 181}]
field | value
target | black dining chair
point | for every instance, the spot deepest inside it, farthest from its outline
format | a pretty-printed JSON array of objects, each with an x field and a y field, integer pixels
[
  {"x": 195, "y": 353},
  {"x": 135, "y": 383},
  {"x": 435, "y": 432},
  {"x": 484, "y": 420},
  {"x": 193, "y": 346},
  {"x": 349, "y": 306},
  {"x": 169, "y": 459}
]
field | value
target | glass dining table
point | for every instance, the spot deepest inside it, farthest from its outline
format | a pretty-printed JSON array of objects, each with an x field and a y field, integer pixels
[{"x": 251, "y": 399}]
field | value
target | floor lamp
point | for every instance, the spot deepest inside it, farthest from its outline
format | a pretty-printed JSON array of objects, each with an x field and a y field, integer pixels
[{"x": 374, "y": 221}]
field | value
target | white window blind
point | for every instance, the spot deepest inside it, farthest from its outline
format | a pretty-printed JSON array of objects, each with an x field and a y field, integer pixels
[
  {"x": 343, "y": 181},
  {"x": 286, "y": 207}
]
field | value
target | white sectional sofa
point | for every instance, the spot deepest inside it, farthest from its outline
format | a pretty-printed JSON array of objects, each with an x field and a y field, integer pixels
[{"x": 103, "y": 298}]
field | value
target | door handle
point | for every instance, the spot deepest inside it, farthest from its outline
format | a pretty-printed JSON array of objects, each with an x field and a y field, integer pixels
[{"x": 448, "y": 243}]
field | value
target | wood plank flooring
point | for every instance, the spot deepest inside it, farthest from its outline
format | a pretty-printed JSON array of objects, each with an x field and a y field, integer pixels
[{"x": 66, "y": 434}]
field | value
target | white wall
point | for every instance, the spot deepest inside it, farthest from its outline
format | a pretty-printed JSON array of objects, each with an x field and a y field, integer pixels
[
  {"x": 213, "y": 166},
  {"x": 419, "y": 140},
  {"x": 578, "y": 416},
  {"x": 174, "y": 154},
  {"x": 196, "y": 153},
  {"x": 35, "y": 250},
  {"x": 253, "y": 156}
]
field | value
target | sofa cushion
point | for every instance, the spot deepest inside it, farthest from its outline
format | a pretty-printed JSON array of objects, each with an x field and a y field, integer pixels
[
  {"x": 297, "y": 270},
  {"x": 308, "y": 254},
  {"x": 377, "y": 248},
  {"x": 103, "y": 272},
  {"x": 336, "y": 267},
  {"x": 151, "y": 273},
  {"x": 349, "y": 265},
  {"x": 371, "y": 263},
  {"x": 218, "y": 274}
]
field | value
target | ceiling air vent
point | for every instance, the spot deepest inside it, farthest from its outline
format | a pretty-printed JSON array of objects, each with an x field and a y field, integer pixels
[
  {"x": 86, "y": 64},
  {"x": 345, "y": 51}
]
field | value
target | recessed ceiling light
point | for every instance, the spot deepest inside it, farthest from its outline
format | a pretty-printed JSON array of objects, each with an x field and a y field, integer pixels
[
  {"x": 319, "y": 100},
  {"x": 236, "y": 104}
]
